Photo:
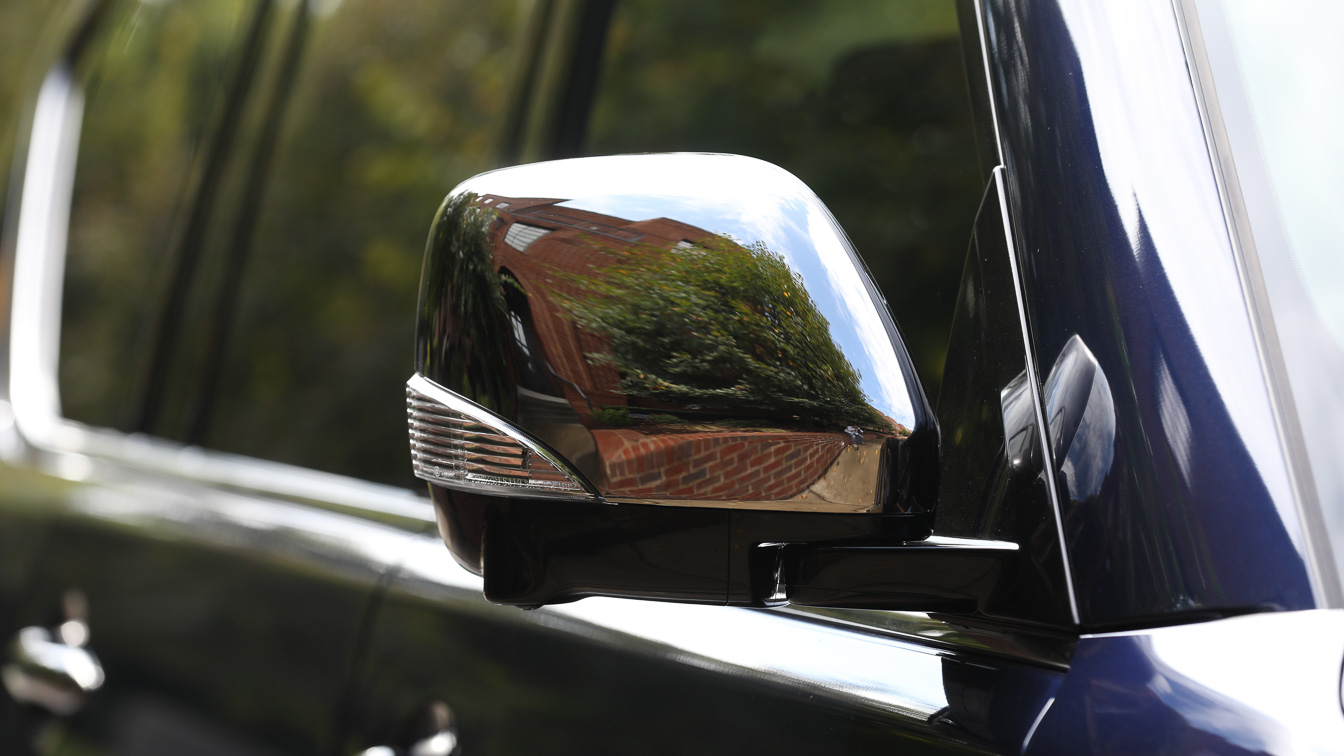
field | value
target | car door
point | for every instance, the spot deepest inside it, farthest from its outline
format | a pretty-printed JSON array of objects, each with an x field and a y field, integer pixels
[
  {"x": 873, "y": 114},
  {"x": 161, "y": 597}
]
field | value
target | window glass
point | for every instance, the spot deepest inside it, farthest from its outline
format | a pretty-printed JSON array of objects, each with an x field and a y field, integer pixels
[
  {"x": 865, "y": 101},
  {"x": 1275, "y": 67},
  {"x": 153, "y": 82},
  {"x": 394, "y": 104}
]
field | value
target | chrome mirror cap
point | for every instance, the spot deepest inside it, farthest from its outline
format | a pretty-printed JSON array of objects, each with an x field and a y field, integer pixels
[{"x": 683, "y": 329}]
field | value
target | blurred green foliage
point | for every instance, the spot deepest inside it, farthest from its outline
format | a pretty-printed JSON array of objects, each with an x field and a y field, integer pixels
[
  {"x": 152, "y": 80},
  {"x": 22, "y": 23},
  {"x": 395, "y": 103},
  {"x": 719, "y": 326}
]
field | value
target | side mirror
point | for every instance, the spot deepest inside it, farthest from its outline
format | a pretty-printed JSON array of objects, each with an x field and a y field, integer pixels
[{"x": 670, "y": 377}]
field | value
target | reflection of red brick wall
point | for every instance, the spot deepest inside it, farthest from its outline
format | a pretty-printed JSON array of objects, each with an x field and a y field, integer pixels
[{"x": 718, "y": 465}]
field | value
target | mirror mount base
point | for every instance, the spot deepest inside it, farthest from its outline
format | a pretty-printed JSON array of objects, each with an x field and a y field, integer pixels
[
  {"x": 533, "y": 553},
  {"x": 933, "y": 575}
]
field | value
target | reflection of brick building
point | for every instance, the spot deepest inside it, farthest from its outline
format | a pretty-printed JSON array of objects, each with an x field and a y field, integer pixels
[
  {"x": 539, "y": 241},
  {"x": 717, "y": 465}
]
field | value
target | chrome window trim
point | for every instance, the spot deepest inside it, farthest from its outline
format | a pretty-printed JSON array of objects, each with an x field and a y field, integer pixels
[
  {"x": 34, "y": 428},
  {"x": 1047, "y": 450},
  {"x": 39, "y": 260},
  {"x": 1325, "y": 585},
  {"x": 983, "y": 31}
]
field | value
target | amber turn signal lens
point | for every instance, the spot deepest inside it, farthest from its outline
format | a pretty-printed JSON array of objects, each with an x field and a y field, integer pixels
[{"x": 456, "y": 444}]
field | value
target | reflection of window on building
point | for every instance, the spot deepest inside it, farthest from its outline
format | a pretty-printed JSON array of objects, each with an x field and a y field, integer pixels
[
  {"x": 520, "y": 235},
  {"x": 533, "y": 372}
]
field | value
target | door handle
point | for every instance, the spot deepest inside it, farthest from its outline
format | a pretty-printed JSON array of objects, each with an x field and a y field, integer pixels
[
  {"x": 439, "y": 721},
  {"x": 441, "y": 743},
  {"x": 56, "y": 673}
]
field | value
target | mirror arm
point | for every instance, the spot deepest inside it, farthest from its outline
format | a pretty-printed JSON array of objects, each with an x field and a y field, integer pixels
[
  {"x": 938, "y": 574},
  {"x": 533, "y": 553}
]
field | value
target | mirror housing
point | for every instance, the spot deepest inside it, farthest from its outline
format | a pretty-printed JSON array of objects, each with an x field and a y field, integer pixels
[{"x": 645, "y": 375}]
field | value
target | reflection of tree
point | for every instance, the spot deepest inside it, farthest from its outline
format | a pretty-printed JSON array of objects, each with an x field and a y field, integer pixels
[
  {"x": 466, "y": 303},
  {"x": 720, "y": 326}
]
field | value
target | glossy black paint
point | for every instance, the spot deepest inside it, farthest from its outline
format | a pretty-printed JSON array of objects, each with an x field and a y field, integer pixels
[
  {"x": 537, "y": 553},
  {"x": 219, "y": 619},
  {"x": 1186, "y": 517}
]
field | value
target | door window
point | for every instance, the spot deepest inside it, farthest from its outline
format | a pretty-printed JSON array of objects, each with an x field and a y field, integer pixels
[
  {"x": 394, "y": 103},
  {"x": 153, "y": 81},
  {"x": 866, "y": 102}
]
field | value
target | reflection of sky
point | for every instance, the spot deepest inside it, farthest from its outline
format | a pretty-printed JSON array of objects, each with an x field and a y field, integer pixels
[
  {"x": 1091, "y": 448},
  {"x": 1277, "y": 69},
  {"x": 1281, "y": 699},
  {"x": 758, "y": 202},
  {"x": 1291, "y": 61}
]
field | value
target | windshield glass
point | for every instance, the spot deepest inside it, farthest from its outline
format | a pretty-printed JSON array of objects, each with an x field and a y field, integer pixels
[{"x": 1276, "y": 70}]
